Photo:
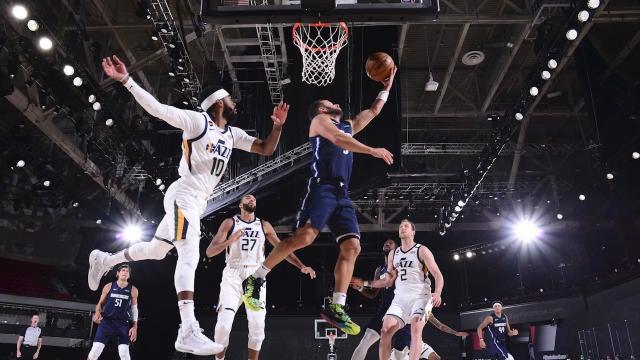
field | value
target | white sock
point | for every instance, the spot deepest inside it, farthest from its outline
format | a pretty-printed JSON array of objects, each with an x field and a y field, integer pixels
[
  {"x": 187, "y": 314},
  {"x": 261, "y": 272},
  {"x": 340, "y": 298}
]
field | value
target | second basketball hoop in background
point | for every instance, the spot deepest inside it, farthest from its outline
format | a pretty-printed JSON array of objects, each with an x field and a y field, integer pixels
[{"x": 379, "y": 66}]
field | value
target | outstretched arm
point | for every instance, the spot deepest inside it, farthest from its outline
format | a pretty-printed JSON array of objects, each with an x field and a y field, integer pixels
[
  {"x": 220, "y": 241},
  {"x": 273, "y": 239},
  {"x": 444, "y": 328},
  {"x": 363, "y": 118},
  {"x": 368, "y": 292},
  {"x": 376, "y": 283},
  {"x": 268, "y": 145}
]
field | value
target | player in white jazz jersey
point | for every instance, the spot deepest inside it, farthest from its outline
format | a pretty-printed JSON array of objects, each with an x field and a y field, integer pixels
[
  {"x": 243, "y": 237},
  {"x": 409, "y": 266},
  {"x": 207, "y": 142}
]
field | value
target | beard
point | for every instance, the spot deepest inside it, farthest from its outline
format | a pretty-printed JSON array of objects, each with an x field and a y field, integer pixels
[
  {"x": 334, "y": 112},
  {"x": 248, "y": 208},
  {"x": 230, "y": 115}
]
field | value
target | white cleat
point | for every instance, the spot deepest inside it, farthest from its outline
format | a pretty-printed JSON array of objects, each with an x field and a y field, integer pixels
[
  {"x": 192, "y": 340},
  {"x": 97, "y": 269}
]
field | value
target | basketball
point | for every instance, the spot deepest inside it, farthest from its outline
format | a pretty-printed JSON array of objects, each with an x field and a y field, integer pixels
[{"x": 379, "y": 66}]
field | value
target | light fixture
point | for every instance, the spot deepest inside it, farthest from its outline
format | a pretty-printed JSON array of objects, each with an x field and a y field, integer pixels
[
  {"x": 526, "y": 231},
  {"x": 581, "y": 197},
  {"x": 68, "y": 70},
  {"x": 33, "y": 25},
  {"x": 172, "y": 74},
  {"x": 572, "y": 34},
  {"x": 442, "y": 232},
  {"x": 75, "y": 204},
  {"x": 457, "y": 208},
  {"x": 552, "y": 64},
  {"x": 592, "y": 4},
  {"x": 609, "y": 176},
  {"x": 19, "y": 12},
  {"x": 635, "y": 155},
  {"x": 519, "y": 116},
  {"x": 96, "y": 106},
  {"x": 161, "y": 187},
  {"x": 109, "y": 122},
  {"x": 46, "y": 183},
  {"x": 132, "y": 233},
  {"x": 559, "y": 216},
  {"x": 158, "y": 181},
  {"x": 99, "y": 221},
  {"x": 468, "y": 254},
  {"x": 545, "y": 75},
  {"x": 92, "y": 99},
  {"x": 533, "y": 91},
  {"x": 45, "y": 43},
  {"x": 461, "y": 203},
  {"x": 185, "y": 102},
  {"x": 77, "y": 81},
  {"x": 431, "y": 85},
  {"x": 583, "y": 16},
  {"x": 154, "y": 37},
  {"x": 456, "y": 257}
]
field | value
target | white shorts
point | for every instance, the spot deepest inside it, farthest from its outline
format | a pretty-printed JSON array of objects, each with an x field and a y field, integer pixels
[
  {"x": 231, "y": 288},
  {"x": 182, "y": 208},
  {"x": 406, "y": 307},
  {"x": 427, "y": 350}
]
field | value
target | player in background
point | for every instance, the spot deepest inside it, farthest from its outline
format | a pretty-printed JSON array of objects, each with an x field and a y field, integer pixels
[{"x": 497, "y": 325}]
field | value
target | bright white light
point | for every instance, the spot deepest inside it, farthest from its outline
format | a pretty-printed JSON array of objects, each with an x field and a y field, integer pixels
[
  {"x": 559, "y": 216},
  {"x": 92, "y": 98},
  {"x": 77, "y": 81},
  {"x": 20, "y": 163},
  {"x": 99, "y": 221},
  {"x": 161, "y": 187},
  {"x": 46, "y": 183},
  {"x": 545, "y": 75},
  {"x": 456, "y": 257},
  {"x": 45, "y": 43},
  {"x": 581, "y": 197},
  {"x": 447, "y": 225},
  {"x": 461, "y": 203},
  {"x": 552, "y": 64},
  {"x": 609, "y": 176},
  {"x": 109, "y": 122},
  {"x": 635, "y": 155},
  {"x": 572, "y": 34},
  {"x": 96, "y": 106},
  {"x": 68, "y": 70},
  {"x": 75, "y": 204},
  {"x": 583, "y": 16},
  {"x": 468, "y": 254},
  {"x": 132, "y": 233},
  {"x": 33, "y": 25},
  {"x": 533, "y": 91},
  {"x": 457, "y": 208},
  {"x": 592, "y": 4},
  {"x": 19, "y": 12},
  {"x": 158, "y": 181},
  {"x": 519, "y": 116},
  {"x": 527, "y": 231}
]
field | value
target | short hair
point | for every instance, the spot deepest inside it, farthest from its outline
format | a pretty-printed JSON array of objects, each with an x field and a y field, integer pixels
[
  {"x": 122, "y": 267},
  {"x": 314, "y": 109},
  {"x": 413, "y": 225}
]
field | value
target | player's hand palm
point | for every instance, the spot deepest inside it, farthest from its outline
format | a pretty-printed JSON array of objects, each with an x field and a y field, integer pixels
[
  {"x": 389, "y": 81},
  {"x": 384, "y": 154},
  {"x": 308, "y": 270},
  {"x": 114, "y": 69},
  {"x": 280, "y": 112}
]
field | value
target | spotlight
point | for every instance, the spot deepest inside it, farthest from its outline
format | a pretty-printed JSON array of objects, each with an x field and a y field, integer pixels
[
  {"x": 468, "y": 254},
  {"x": 581, "y": 197},
  {"x": 77, "y": 81},
  {"x": 75, "y": 204},
  {"x": 20, "y": 163},
  {"x": 533, "y": 91},
  {"x": 68, "y": 70},
  {"x": 92, "y": 99},
  {"x": 457, "y": 208},
  {"x": 45, "y": 43},
  {"x": 19, "y": 12},
  {"x": 442, "y": 232},
  {"x": 609, "y": 176},
  {"x": 527, "y": 231},
  {"x": 172, "y": 74},
  {"x": 96, "y": 106},
  {"x": 572, "y": 34},
  {"x": 154, "y": 37},
  {"x": 456, "y": 257},
  {"x": 132, "y": 233},
  {"x": 519, "y": 116},
  {"x": 158, "y": 181},
  {"x": 33, "y": 25},
  {"x": 46, "y": 183},
  {"x": 185, "y": 102},
  {"x": 431, "y": 85},
  {"x": 583, "y": 16},
  {"x": 161, "y": 187},
  {"x": 559, "y": 216},
  {"x": 461, "y": 203},
  {"x": 552, "y": 64},
  {"x": 109, "y": 122},
  {"x": 635, "y": 155},
  {"x": 99, "y": 221},
  {"x": 591, "y": 4},
  {"x": 545, "y": 75},
  {"x": 447, "y": 225}
]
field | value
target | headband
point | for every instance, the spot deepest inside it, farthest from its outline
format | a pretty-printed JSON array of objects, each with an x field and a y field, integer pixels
[{"x": 217, "y": 95}]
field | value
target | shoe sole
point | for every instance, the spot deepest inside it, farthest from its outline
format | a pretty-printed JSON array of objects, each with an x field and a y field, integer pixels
[
  {"x": 246, "y": 299},
  {"x": 345, "y": 328},
  {"x": 92, "y": 259},
  {"x": 189, "y": 350}
]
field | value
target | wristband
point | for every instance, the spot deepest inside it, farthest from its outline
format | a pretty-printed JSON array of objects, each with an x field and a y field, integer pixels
[
  {"x": 367, "y": 283},
  {"x": 383, "y": 95},
  {"x": 124, "y": 77}
]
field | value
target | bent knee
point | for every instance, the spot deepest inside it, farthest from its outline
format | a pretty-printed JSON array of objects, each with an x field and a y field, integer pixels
[{"x": 350, "y": 248}]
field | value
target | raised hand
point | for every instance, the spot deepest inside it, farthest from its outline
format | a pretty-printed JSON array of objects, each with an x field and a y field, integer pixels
[
  {"x": 383, "y": 154},
  {"x": 389, "y": 81},
  {"x": 280, "y": 113},
  {"x": 308, "y": 270},
  {"x": 114, "y": 69}
]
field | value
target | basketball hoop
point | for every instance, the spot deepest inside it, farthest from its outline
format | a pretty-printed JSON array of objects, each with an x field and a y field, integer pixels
[
  {"x": 332, "y": 341},
  {"x": 319, "y": 45}
]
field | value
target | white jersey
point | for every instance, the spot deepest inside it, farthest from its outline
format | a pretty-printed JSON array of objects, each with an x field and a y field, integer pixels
[
  {"x": 413, "y": 276},
  {"x": 249, "y": 250}
]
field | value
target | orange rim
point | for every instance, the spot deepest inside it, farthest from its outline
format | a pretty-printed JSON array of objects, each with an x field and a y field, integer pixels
[{"x": 320, "y": 49}]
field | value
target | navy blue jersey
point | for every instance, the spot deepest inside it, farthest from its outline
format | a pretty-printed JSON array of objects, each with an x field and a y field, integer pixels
[
  {"x": 118, "y": 302},
  {"x": 331, "y": 163},
  {"x": 498, "y": 329}
]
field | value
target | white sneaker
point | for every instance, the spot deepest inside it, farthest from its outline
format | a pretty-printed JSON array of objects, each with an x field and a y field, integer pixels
[
  {"x": 97, "y": 269},
  {"x": 192, "y": 340}
]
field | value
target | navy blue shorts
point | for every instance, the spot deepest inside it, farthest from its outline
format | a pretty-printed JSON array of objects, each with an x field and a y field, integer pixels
[
  {"x": 328, "y": 204},
  {"x": 108, "y": 329},
  {"x": 496, "y": 350}
]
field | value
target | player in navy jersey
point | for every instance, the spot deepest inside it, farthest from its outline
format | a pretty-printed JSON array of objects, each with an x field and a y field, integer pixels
[
  {"x": 117, "y": 307},
  {"x": 497, "y": 325},
  {"x": 326, "y": 201}
]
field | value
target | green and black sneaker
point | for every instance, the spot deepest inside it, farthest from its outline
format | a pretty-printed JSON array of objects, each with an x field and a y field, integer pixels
[
  {"x": 335, "y": 315},
  {"x": 251, "y": 297}
]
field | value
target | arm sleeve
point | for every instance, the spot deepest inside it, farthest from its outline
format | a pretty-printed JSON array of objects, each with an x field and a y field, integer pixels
[
  {"x": 241, "y": 140},
  {"x": 191, "y": 122}
]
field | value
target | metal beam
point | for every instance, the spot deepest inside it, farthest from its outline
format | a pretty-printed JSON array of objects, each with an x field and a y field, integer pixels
[
  {"x": 249, "y": 58},
  {"x": 401, "y": 40},
  {"x": 477, "y": 114},
  {"x": 621, "y": 56},
  {"x": 452, "y": 65},
  {"x": 227, "y": 59},
  {"x": 563, "y": 62}
]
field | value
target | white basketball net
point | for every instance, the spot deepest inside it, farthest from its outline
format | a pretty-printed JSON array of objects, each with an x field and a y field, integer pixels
[
  {"x": 319, "y": 45},
  {"x": 332, "y": 341}
]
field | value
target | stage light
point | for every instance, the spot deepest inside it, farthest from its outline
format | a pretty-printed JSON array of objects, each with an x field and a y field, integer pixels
[
  {"x": 592, "y": 4},
  {"x": 461, "y": 203},
  {"x": 45, "y": 43},
  {"x": 132, "y": 233},
  {"x": 609, "y": 176},
  {"x": 581, "y": 197},
  {"x": 456, "y": 257},
  {"x": 552, "y": 64},
  {"x": 46, "y": 183},
  {"x": 109, "y": 122},
  {"x": 519, "y": 116},
  {"x": 447, "y": 225},
  {"x": 172, "y": 74},
  {"x": 99, "y": 221},
  {"x": 545, "y": 75},
  {"x": 92, "y": 99},
  {"x": 77, "y": 81},
  {"x": 442, "y": 232},
  {"x": 19, "y": 12},
  {"x": 468, "y": 254},
  {"x": 33, "y": 25},
  {"x": 75, "y": 204},
  {"x": 96, "y": 106},
  {"x": 20, "y": 163},
  {"x": 559, "y": 216},
  {"x": 161, "y": 187},
  {"x": 635, "y": 155},
  {"x": 583, "y": 16},
  {"x": 572, "y": 34},
  {"x": 68, "y": 70},
  {"x": 526, "y": 231},
  {"x": 533, "y": 91},
  {"x": 457, "y": 209},
  {"x": 158, "y": 181}
]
